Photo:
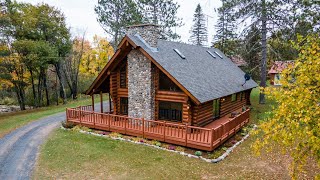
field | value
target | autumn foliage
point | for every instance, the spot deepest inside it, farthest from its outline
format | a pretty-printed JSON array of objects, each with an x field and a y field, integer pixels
[{"x": 294, "y": 123}]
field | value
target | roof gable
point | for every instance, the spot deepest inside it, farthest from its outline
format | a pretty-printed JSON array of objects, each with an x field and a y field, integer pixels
[
  {"x": 279, "y": 66},
  {"x": 200, "y": 75},
  {"x": 204, "y": 76}
]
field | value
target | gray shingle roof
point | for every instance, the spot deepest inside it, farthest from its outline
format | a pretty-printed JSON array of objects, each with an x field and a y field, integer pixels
[{"x": 205, "y": 77}]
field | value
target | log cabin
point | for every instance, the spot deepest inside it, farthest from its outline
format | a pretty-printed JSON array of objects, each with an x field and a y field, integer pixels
[
  {"x": 276, "y": 69},
  {"x": 172, "y": 82}
]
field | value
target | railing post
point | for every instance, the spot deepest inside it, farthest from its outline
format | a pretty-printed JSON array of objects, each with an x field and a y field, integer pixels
[
  {"x": 186, "y": 139},
  {"x": 67, "y": 114},
  {"x": 80, "y": 116},
  {"x": 94, "y": 120},
  {"x": 211, "y": 143},
  {"x": 142, "y": 127},
  {"x": 125, "y": 126},
  {"x": 109, "y": 121},
  {"x": 164, "y": 131}
]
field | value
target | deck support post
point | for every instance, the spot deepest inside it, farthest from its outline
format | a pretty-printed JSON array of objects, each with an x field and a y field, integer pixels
[
  {"x": 211, "y": 141},
  {"x": 142, "y": 127},
  {"x": 92, "y": 101},
  {"x": 186, "y": 134},
  {"x": 109, "y": 103},
  {"x": 101, "y": 102}
]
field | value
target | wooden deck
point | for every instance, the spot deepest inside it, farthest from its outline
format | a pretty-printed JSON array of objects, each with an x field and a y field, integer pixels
[{"x": 203, "y": 138}]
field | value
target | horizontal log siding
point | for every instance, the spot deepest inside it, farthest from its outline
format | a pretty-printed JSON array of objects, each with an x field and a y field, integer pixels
[
  {"x": 227, "y": 106},
  {"x": 113, "y": 91},
  {"x": 203, "y": 114}
]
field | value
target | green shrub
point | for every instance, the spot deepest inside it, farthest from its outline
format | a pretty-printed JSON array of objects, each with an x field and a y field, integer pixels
[
  {"x": 158, "y": 144},
  {"x": 215, "y": 154},
  {"x": 198, "y": 153},
  {"x": 79, "y": 127},
  {"x": 181, "y": 149},
  {"x": 67, "y": 125},
  {"x": 7, "y": 101},
  {"x": 115, "y": 135},
  {"x": 224, "y": 148}
]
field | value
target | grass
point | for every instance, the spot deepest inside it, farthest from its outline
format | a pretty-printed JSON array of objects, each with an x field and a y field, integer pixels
[
  {"x": 12, "y": 121},
  {"x": 72, "y": 155}
]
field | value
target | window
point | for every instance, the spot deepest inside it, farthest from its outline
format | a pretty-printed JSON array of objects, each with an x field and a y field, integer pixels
[
  {"x": 166, "y": 84},
  {"x": 277, "y": 78},
  {"x": 123, "y": 77},
  {"x": 170, "y": 111},
  {"x": 216, "y": 108},
  {"x": 123, "y": 105},
  {"x": 233, "y": 97}
]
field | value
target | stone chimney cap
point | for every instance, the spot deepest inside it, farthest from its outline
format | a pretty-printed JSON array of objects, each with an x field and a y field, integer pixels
[{"x": 141, "y": 25}]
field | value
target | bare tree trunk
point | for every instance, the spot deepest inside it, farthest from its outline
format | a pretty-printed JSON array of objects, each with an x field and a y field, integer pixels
[
  {"x": 46, "y": 89},
  {"x": 62, "y": 89},
  {"x": 263, "y": 63},
  {"x": 33, "y": 89}
]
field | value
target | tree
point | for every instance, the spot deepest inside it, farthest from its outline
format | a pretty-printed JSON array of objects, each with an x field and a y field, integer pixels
[
  {"x": 38, "y": 36},
  {"x": 294, "y": 122},
  {"x": 162, "y": 13},
  {"x": 272, "y": 15},
  {"x": 115, "y": 15},
  {"x": 96, "y": 57},
  {"x": 251, "y": 51},
  {"x": 225, "y": 29},
  {"x": 199, "y": 34},
  {"x": 72, "y": 64}
]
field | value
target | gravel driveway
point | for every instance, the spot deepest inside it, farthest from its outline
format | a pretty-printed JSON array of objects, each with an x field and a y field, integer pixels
[{"x": 19, "y": 149}]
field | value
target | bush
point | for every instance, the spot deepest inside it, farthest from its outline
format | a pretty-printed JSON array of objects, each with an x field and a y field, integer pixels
[
  {"x": 79, "y": 127},
  {"x": 172, "y": 147},
  {"x": 198, "y": 153},
  {"x": 7, "y": 101},
  {"x": 115, "y": 135},
  {"x": 215, "y": 154},
  {"x": 67, "y": 125},
  {"x": 181, "y": 149}
]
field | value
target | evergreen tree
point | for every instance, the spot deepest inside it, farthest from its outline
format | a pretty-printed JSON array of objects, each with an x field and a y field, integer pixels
[
  {"x": 225, "y": 29},
  {"x": 270, "y": 16},
  {"x": 251, "y": 51},
  {"x": 162, "y": 13},
  {"x": 115, "y": 15},
  {"x": 199, "y": 34}
]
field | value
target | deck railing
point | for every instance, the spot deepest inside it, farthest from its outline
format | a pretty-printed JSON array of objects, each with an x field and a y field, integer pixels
[{"x": 184, "y": 135}]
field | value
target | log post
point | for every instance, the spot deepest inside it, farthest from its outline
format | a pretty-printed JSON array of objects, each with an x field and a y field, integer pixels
[
  {"x": 101, "y": 102},
  {"x": 92, "y": 101},
  {"x": 186, "y": 135},
  {"x": 109, "y": 103}
]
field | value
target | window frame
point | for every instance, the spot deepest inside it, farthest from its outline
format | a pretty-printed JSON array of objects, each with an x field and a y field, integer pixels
[
  {"x": 170, "y": 111},
  {"x": 124, "y": 103},
  {"x": 123, "y": 73}
]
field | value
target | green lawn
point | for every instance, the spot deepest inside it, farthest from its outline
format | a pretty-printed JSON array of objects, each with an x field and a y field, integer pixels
[
  {"x": 11, "y": 121},
  {"x": 72, "y": 155}
]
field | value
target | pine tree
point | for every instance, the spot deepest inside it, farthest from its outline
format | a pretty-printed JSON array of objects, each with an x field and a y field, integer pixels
[
  {"x": 199, "y": 34},
  {"x": 162, "y": 13},
  {"x": 225, "y": 29},
  {"x": 269, "y": 16},
  {"x": 115, "y": 15}
]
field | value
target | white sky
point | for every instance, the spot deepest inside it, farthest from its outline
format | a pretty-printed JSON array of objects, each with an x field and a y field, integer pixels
[{"x": 81, "y": 16}]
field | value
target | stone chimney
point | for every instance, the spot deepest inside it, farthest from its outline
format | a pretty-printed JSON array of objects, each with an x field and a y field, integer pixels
[
  {"x": 141, "y": 92},
  {"x": 149, "y": 33}
]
